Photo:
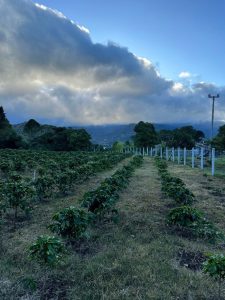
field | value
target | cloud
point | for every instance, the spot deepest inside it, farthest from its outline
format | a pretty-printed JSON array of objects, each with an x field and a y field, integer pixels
[
  {"x": 184, "y": 75},
  {"x": 51, "y": 69}
]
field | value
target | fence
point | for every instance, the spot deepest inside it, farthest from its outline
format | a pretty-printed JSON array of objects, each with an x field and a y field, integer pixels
[{"x": 196, "y": 157}]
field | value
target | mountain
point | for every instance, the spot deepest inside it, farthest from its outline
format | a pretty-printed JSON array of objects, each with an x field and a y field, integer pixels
[{"x": 106, "y": 135}]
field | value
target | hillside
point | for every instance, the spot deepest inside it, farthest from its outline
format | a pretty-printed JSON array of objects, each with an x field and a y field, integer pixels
[{"x": 106, "y": 135}]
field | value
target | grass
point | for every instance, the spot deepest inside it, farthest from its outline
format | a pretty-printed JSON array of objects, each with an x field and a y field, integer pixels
[{"x": 134, "y": 258}]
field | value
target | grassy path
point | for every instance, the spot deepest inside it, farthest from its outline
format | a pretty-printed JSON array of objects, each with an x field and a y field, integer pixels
[{"x": 135, "y": 258}]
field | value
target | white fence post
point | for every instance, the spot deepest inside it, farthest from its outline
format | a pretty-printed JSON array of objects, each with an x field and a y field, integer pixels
[
  {"x": 193, "y": 157},
  {"x": 202, "y": 158},
  {"x": 173, "y": 157},
  {"x": 167, "y": 154},
  {"x": 213, "y": 161},
  {"x": 34, "y": 175},
  {"x": 156, "y": 151},
  {"x": 147, "y": 151},
  {"x": 161, "y": 153},
  {"x": 151, "y": 151},
  {"x": 185, "y": 155},
  {"x": 178, "y": 155}
]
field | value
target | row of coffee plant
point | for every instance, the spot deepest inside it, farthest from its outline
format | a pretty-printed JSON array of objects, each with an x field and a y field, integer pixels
[
  {"x": 43, "y": 162},
  {"x": 19, "y": 192},
  {"x": 191, "y": 222},
  {"x": 185, "y": 218},
  {"x": 72, "y": 222}
]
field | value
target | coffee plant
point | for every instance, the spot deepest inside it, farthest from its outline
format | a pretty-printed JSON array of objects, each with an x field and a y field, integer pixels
[
  {"x": 18, "y": 194},
  {"x": 71, "y": 222},
  {"x": 215, "y": 267},
  {"x": 47, "y": 250},
  {"x": 189, "y": 218}
]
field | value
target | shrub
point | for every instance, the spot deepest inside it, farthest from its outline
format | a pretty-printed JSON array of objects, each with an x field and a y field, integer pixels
[
  {"x": 47, "y": 249},
  {"x": 19, "y": 194},
  {"x": 179, "y": 193},
  {"x": 45, "y": 187},
  {"x": 71, "y": 222},
  {"x": 186, "y": 217},
  {"x": 215, "y": 267}
]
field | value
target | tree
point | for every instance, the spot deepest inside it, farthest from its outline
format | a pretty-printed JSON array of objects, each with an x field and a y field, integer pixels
[
  {"x": 63, "y": 139},
  {"x": 31, "y": 127},
  {"x": 219, "y": 140},
  {"x": 8, "y": 137},
  {"x": 118, "y": 146},
  {"x": 182, "y": 137},
  {"x": 145, "y": 135}
]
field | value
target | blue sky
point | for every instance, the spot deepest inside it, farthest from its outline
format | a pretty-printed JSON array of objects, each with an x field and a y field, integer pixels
[
  {"x": 176, "y": 35},
  {"x": 98, "y": 62}
]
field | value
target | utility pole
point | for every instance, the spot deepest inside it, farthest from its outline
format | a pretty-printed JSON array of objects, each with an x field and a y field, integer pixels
[{"x": 213, "y": 97}]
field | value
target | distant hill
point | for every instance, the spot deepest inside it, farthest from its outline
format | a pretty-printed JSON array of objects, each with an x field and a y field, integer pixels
[{"x": 107, "y": 134}]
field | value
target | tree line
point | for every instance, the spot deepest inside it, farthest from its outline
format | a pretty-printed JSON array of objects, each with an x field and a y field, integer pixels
[
  {"x": 186, "y": 136},
  {"x": 42, "y": 137}
]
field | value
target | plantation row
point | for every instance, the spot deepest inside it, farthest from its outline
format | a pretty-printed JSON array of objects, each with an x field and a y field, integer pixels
[
  {"x": 50, "y": 162},
  {"x": 191, "y": 222},
  {"x": 55, "y": 176},
  {"x": 185, "y": 218},
  {"x": 71, "y": 223}
]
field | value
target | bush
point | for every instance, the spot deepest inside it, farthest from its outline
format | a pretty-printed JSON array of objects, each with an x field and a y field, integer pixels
[
  {"x": 18, "y": 194},
  {"x": 71, "y": 222},
  {"x": 45, "y": 187},
  {"x": 47, "y": 249},
  {"x": 215, "y": 267},
  {"x": 179, "y": 193},
  {"x": 186, "y": 217}
]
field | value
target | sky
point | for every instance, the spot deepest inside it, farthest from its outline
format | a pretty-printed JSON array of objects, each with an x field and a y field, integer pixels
[{"x": 99, "y": 62}]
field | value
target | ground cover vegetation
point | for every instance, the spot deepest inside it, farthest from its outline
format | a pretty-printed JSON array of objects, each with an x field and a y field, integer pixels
[
  {"x": 126, "y": 251},
  {"x": 72, "y": 222},
  {"x": 27, "y": 177},
  {"x": 185, "y": 218}
]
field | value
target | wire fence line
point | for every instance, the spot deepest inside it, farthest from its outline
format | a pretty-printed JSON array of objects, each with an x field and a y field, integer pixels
[{"x": 199, "y": 157}]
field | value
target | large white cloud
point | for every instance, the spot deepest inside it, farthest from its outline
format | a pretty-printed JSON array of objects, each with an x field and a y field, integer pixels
[{"x": 50, "y": 68}]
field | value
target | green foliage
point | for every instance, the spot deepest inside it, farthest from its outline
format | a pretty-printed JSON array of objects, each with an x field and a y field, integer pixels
[
  {"x": 145, "y": 135},
  {"x": 31, "y": 126},
  {"x": 47, "y": 250},
  {"x": 104, "y": 197},
  {"x": 45, "y": 187},
  {"x": 71, "y": 222},
  {"x": 18, "y": 194},
  {"x": 117, "y": 146},
  {"x": 186, "y": 217},
  {"x": 63, "y": 139},
  {"x": 8, "y": 137},
  {"x": 215, "y": 267},
  {"x": 182, "y": 137},
  {"x": 175, "y": 189},
  {"x": 219, "y": 140}
]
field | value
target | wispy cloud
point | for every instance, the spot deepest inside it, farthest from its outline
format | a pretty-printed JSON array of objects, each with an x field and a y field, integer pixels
[{"x": 184, "y": 74}]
